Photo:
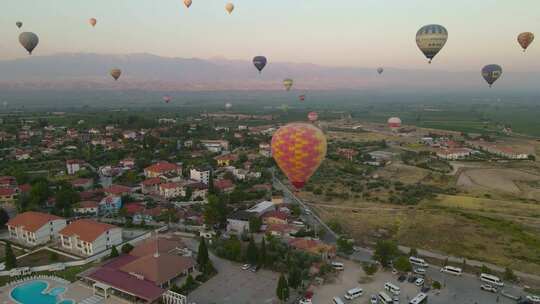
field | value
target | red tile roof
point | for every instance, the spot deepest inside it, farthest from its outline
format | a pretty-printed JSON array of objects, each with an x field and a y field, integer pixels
[
  {"x": 151, "y": 245},
  {"x": 117, "y": 190},
  {"x": 31, "y": 220},
  {"x": 87, "y": 204},
  {"x": 276, "y": 214},
  {"x": 170, "y": 186},
  {"x": 223, "y": 184},
  {"x": 152, "y": 181},
  {"x": 81, "y": 181},
  {"x": 163, "y": 167},
  {"x": 133, "y": 208},
  {"x": 86, "y": 230},
  {"x": 7, "y": 191},
  {"x": 159, "y": 269}
]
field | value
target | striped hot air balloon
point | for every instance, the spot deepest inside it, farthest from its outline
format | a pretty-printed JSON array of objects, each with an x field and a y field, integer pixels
[{"x": 299, "y": 149}]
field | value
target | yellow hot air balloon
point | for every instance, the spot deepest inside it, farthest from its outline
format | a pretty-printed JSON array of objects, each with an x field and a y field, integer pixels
[
  {"x": 229, "y": 7},
  {"x": 188, "y": 3},
  {"x": 525, "y": 39},
  {"x": 299, "y": 149},
  {"x": 93, "y": 22},
  {"x": 115, "y": 73},
  {"x": 288, "y": 83}
]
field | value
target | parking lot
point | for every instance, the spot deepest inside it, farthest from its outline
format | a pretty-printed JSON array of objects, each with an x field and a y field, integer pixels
[{"x": 462, "y": 290}]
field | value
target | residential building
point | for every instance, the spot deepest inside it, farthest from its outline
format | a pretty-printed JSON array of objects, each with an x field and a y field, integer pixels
[
  {"x": 161, "y": 169},
  {"x": 73, "y": 166},
  {"x": 275, "y": 217},
  {"x": 110, "y": 204},
  {"x": 262, "y": 207},
  {"x": 117, "y": 190},
  {"x": 226, "y": 160},
  {"x": 34, "y": 228},
  {"x": 198, "y": 190},
  {"x": 454, "y": 153},
  {"x": 84, "y": 183},
  {"x": 87, "y": 208},
  {"x": 315, "y": 247},
  {"x": 88, "y": 237},
  {"x": 282, "y": 230},
  {"x": 224, "y": 185},
  {"x": 200, "y": 174},
  {"x": 172, "y": 190},
  {"x": 8, "y": 195},
  {"x": 151, "y": 185},
  {"x": 238, "y": 222},
  {"x": 265, "y": 150},
  {"x": 215, "y": 146},
  {"x": 348, "y": 154}
]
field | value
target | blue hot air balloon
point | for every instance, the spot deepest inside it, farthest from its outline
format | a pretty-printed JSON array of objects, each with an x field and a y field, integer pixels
[
  {"x": 259, "y": 62},
  {"x": 491, "y": 73}
]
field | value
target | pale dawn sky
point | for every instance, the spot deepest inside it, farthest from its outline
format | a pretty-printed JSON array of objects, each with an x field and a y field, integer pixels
[{"x": 360, "y": 33}]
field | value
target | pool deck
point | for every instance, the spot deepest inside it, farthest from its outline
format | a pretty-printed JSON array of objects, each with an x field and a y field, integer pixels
[{"x": 76, "y": 291}]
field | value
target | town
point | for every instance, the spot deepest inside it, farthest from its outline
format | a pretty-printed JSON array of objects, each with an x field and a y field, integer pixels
[{"x": 193, "y": 210}]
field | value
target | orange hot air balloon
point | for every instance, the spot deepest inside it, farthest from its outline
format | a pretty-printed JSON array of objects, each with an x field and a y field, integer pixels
[
  {"x": 299, "y": 149},
  {"x": 92, "y": 21}
]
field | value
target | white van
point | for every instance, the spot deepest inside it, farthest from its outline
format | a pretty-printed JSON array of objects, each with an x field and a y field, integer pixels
[
  {"x": 354, "y": 293},
  {"x": 337, "y": 300},
  {"x": 491, "y": 279},
  {"x": 338, "y": 266},
  {"x": 384, "y": 298},
  {"x": 452, "y": 270},
  {"x": 418, "y": 262},
  {"x": 392, "y": 288}
]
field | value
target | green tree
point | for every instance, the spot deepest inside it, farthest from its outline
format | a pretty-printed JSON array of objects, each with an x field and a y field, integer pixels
[
  {"x": 211, "y": 188},
  {"x": 252, "y": 253},
  {"x": 295, "y": 277},
  {"x": 402, "y": 264},
  {"x": 255, "y": 224},
  {"x": 262, "y": 253},
  {"x": 53, "y": 256},
  {"x": 344, "y": 245},
  {"x": 413, "y": 252},
  {"x": 114, "y": 253},
  {"x": 202, "y": 255},
  {"x": 370, "y": 268},
  {"x": 215, "y": 211},
  {"x": 385, "y": 252},
  {"x": 282, "y": 290},
  {"x": 65, "y": 198},
  {"x": 4, "y": 217},
  {"x": 39, "y": 193},
  {"x": 10, "y": 259},
  {"x": 126, "y": 248},
  {"x": 485, "y": 269},
  {"x": 509, "y": 275}
]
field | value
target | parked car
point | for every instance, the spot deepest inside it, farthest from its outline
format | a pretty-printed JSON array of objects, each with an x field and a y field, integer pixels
[
  {"x": 533, "y": 298},
  {"x": 489, "y": 288},
  {"x": 246, "y": 266},
  {"x": 373, "y": 299},
  {"x": 396, "y": 300},
  {"x": 253, "y": 269},
  {"x": 419, "y": 282},
  {"x": 304, "y": 301},
  {"x": 420, "y": 271}
]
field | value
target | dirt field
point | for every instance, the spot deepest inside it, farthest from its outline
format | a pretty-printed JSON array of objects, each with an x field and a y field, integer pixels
[{"x": 504, "y": 180}]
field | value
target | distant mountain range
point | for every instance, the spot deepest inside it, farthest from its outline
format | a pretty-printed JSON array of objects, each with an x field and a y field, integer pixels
[{"x": 151, "y": 72}]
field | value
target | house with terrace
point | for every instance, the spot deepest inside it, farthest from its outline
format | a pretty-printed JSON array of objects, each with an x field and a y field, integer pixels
[
  {"x": 87, "y": 237},
  {"x": 34, "y": 228}
]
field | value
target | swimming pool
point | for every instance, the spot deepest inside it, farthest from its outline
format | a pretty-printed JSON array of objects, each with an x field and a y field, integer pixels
[{"x": 33, "y": 292}]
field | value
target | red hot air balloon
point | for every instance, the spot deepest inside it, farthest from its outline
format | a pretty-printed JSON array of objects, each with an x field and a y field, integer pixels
[
  {"x": 313, "y": 116},
  {"x": 92, "y": 21},
  {"x": 167, "y": 98},
  {"x": 299, "y": 149},
  {"x": 302, "y": 97},
  {"x": 394, "y": 123}
]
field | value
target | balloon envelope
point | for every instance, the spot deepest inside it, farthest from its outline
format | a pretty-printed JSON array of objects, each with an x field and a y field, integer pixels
[
  {"x": 491, "y": 73},
  {"x": 299, "y": 149},
  {"x": 302, "y": 97},
  {"x": 431, "y": 39},
  {"x": 394, "y": 123},
  {"x": 167, "y": 98},
  {"x": 115, "y": 73},
  {"x": 18, "y": 24},
  {"x": 525, "y": 39},
  {"x": 92, "y": 21},
  {"x": 259, "y": 62},
  {"x": 188, "y": 3},
  {"x": 288, "y": 83},
  {"x": 380, "y": 70},
  {"x": 313, "y": 116},
  {"x": 228, "y": 105},
  {"x": 29, "y": 41},
  {"x": 229, "y": 7}
]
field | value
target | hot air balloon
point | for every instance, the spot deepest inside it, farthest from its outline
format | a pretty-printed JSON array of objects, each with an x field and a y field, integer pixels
[
  {"x": 259, "y": 62},
  {"x": 228, "y": 105},
  {"x": 229, "y": 7},
  {"x": 313, "y": 116},
  {"x": 394, "y": 123},
  {"x": 167, "y": 98},
  {"x": 188, "y": 3},
  {"x": 92, "y": 21},
  {"x": 380, "y": 70},
  {"x": 115, "y": 73},
  {"x": 288, "y": 83},
  {"x": 431, "y": 39},
  {"x": 18, "y": 24},
  {"x": 491, "y": 73},
  {"x": 29, "y": 41},
  {"x": 302, "y": 97},
  {"x": 299, "y": 149},
  {"x": 525, "y": 39}
]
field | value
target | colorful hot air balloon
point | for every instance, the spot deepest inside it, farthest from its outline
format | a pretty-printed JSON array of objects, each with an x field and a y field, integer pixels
[
  {"x": 29, "y": 41},
  {"x": 115, "y": 73},
  {"x": 18, "y": 24},
  {"x": 288, "y": 83},
  {"x": 302, "y": 97},
  {"x": 167, "y": 98},
  {"x": 229, "y": 7},
  {"x": 313, "y": 116},
  {"x": 93, "y": 22},
  {"x": 259, "y": 62},
  {"x": 299, "y": 149},
  {"x": 491, "y": 73},
  {"x": 228, "y": 105},
  {"x": 431, "y": 39},
  {"x": 380, "y": 70},
  {"x": 394, "y": 123},
  {"x": 525, "y": 39},
  {"x": 188, "y": 3}
]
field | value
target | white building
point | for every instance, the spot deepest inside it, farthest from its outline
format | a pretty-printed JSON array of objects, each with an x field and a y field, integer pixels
[
  {"x": 73, "y": 166},
  {"x": 238, "y": 222},
  {"x": 88, "y": 237},
  {"x": 262, "y": 208},
  {"x": 35, "y": 228},
  {"x": 200, "y": 175},
  {"x": 172, "y": 190}
]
